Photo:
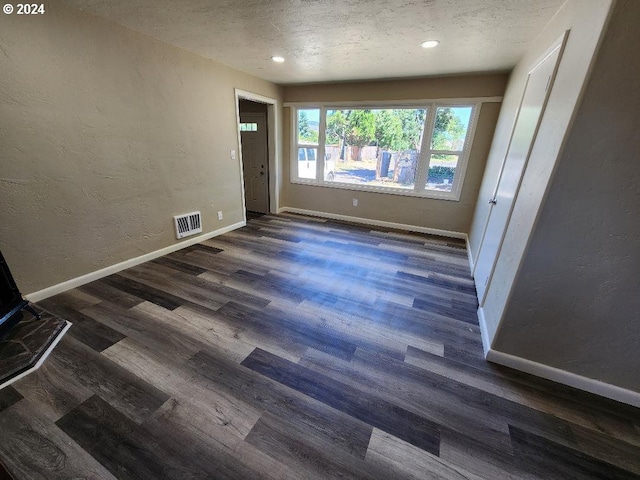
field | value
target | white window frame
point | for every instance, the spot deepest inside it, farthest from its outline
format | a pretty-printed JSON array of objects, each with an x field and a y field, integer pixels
[
  {"x": 419, "y": 189},
  {"x": 295, "y": 145}
]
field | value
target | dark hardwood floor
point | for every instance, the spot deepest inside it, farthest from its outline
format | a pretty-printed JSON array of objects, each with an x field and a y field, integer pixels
[{"x": 298, "y": 348}]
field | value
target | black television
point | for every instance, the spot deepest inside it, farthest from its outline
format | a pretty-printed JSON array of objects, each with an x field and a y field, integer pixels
[{"x": 11, "y": 301}]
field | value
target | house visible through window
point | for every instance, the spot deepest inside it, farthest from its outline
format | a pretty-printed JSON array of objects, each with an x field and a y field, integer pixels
[{"x": 412, "y": 150}]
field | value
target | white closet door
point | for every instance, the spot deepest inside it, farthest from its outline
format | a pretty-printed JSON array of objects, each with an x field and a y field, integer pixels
[{"x": 530, "y": 114}]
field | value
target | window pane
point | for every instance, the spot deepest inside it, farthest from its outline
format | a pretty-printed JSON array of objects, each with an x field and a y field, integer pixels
[
  {"x": 442, "y": 169},
  {"x": 307, "y": 162},
  {"x": 308, "y": 126},
  {"x": 450, "y": 128},
  {"x": 374, "y": 147}
]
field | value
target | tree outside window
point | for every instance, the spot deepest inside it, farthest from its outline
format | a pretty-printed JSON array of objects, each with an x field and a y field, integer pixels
[{"x": 381, "y": 148}]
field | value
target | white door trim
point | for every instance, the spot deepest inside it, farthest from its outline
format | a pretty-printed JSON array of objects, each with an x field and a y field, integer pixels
[{"x": 275, "y": 149}]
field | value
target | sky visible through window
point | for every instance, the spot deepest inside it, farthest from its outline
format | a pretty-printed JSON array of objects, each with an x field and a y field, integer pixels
[
  {"x": 464, "y": 114},
  {"x": 313, "y": 115}
]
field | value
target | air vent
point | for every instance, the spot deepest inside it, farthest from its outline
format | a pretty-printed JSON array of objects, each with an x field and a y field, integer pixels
[{"x": 188, "y": 224}]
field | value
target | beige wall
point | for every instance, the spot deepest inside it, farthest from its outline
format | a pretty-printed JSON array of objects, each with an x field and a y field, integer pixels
[
  {"x": 583, "y": 260},
  {"x": 105, "y": 134},
  {"x": 585, "y": 21},
  {"x": 423, "y": 212},
  {"x": 458, "y": 86}
]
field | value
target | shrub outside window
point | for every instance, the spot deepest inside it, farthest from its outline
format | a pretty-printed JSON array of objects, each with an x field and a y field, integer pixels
[{"x": 419, "y": 150}]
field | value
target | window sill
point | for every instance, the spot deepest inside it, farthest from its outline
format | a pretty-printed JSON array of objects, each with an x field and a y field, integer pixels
[{"x": 432, "y": 195}]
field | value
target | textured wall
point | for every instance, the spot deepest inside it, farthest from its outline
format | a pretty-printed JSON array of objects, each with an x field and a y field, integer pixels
[
  {"x": 585, "y": 20},
  {"x": 576, "y": 302},
  {"x": 105, "y": 134},
  {"x": 424, "y": 212}
]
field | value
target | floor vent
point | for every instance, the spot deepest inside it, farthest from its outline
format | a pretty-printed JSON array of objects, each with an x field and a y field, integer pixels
[{"x": 188, "y": 224}]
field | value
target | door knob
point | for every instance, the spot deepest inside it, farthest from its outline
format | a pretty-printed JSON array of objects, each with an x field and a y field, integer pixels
[{"x": 493, "y": 201}]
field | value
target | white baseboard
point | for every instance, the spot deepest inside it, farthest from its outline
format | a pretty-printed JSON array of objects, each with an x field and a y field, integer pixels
[
  {"x": 41, "y": 360},
  {"x": 472, "y": 263},
  {"x": 551, "y": 373},
  {"x": 484, "y": 332},
  {"x": 566, "y": 378},
  {"x": 377, "y": 223},
  {"x": 90, "y": 277}
]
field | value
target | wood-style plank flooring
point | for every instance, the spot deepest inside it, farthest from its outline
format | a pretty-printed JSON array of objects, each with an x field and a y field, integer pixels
[{"x": 298, "y": 348}]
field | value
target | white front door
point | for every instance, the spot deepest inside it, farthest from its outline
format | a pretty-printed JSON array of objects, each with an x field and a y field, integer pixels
[
  {"x": 532, "y": 106},
  {"x": 255, "y": 161}
]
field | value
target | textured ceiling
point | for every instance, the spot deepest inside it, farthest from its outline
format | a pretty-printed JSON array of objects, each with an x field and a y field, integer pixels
[{"x": 328, "y": 40}]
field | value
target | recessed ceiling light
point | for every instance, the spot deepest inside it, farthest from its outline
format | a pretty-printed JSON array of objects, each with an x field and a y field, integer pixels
[
  {"x": 430, "y": 44},
  {"x": 277, "y": 59}
]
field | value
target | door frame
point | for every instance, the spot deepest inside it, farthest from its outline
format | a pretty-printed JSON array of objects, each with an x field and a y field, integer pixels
[
  {"x": 261, "y": 119},
  {"x": 274, "y": 147},
  {"x": 558, "y": 45}
]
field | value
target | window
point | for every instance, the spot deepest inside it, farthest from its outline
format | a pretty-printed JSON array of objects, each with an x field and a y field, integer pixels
[
  {"x": 307, "y": 134},
  {"x": 374, "y": 147},
  {"x": 248, "y": 127},
  {"x": 447, "y": 144},
  {"x": 419, "y": 150}
]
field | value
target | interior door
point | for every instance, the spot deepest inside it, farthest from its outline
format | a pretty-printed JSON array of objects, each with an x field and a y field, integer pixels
[
  {"x": 253, "y": 135},
  {"x": 538, "y": 87}
]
